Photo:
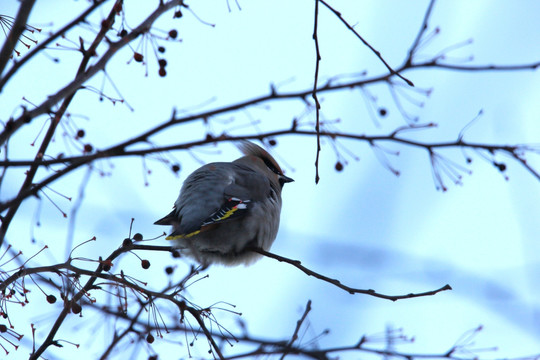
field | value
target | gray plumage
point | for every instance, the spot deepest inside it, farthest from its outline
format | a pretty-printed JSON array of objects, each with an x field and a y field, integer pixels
[{"x": 225, "y": 207}]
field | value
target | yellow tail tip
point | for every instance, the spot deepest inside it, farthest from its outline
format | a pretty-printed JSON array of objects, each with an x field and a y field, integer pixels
[{"x": 182, "y": 236}]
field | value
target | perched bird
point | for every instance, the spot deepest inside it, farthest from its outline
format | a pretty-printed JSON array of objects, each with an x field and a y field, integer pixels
[{"x": 224, "y": 208}]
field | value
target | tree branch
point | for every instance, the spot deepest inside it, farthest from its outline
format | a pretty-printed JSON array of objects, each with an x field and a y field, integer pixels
[
  {"x": 54, "y": 123},
  {"x": 118, "y": 151},
  {"x": 17, "y": 65},
  {"x": 314, "y": 92},
  {"x": 72, "y": 87},
  {"x": 350, "y": 290},
  {"x": 376, "y": 52},
  {"x": 19, "y": 25},
  {"x": 421, "y": 32}
]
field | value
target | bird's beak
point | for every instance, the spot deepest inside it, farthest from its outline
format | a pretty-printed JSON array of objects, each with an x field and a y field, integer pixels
[{"x": 285, "y": 179}]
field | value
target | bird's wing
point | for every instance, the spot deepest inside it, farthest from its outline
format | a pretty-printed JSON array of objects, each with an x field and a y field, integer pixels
[
  {"x": 232, "y": 208},
  {"x": 231, "y": 200}
]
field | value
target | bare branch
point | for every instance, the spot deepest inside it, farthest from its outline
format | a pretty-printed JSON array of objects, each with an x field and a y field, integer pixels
[
  {"x": 376, "y": 52},
  {"x": 421, "y": 32},
  {"x": 118, "y": 151},
  {"x": 299, "y": 323},
  {"x": 314, "y": 92},
  {"x": 137, "y": 299},
  {"x": 471, "y": 68},
  {"x": 54, "y": 122},
  {"x": 13, "y": 69},
  {"x": 81, "y": 78},
  {"x": 19, "y": 26},
  {"x": 350, "y": 290}
]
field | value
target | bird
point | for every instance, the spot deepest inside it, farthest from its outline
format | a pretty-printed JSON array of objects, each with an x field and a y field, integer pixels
[{"x": 226, "y": 208}]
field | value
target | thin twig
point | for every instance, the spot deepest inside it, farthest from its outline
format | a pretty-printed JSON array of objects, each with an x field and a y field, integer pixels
[
  {"x": 13, "y": 69},
  {"x": 19, "y": 25},
  {"x": 299, "y": 323},
  {"x": 421, "y": 32},
  {"x": 66, "y": 95},
  {"x": 118, "y": 337},
  {"x": 74, "y": 85},
  {"x": 118, "y": 151},
  {"x": 314, "y": 91},
  {"x": 197, "y": 315},
  {"x": 350, "y": 290},
  {"x": 493, "y": 67},
  {"x": 376, "y": 52},
  {"x": 30, "y": 174}
]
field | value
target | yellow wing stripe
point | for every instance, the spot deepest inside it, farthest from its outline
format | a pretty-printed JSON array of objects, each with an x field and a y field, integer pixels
[
  {"x": 228, "y": 213},
  {"x": 224, "y": 216}
]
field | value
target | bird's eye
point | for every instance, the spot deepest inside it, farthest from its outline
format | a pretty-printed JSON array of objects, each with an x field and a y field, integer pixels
[{"x": 271, "y": 166}]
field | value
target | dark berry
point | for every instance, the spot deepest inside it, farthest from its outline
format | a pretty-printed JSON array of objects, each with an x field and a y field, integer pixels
[
  {"x": 162, "y": 62},
  {"x": 175, "y": 254},
  {"x": 80, "y": 133},
  {"x": 339, "y": 166},
  {"x": 75, "y": 308},
  {"x": 173, "y": 34},
  {"x": 149, "y": 338},
  {"x": 138, "y": 57},
  {"x": 383, "y": 112},
  {"x": 161, "y": 49},
  {"x": 51, "y": 299},
  {"x": 169, "y": 270},
  {"x": 162, "y": 72},
  {"x": 175, "y": 168},
  {"x": 127, "y": 242},
  {"x": 88, "y": 148},
  {"x": 3, "y": 328},
  {"x": 272, "y": 142},
  {"x": 137, "y": 237},
  {"x": 500, "y": 166},
  {"x": 145, "y": 264}
]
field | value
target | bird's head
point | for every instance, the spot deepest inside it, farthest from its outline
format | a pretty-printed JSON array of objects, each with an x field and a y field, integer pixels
[{"x": 263, "y": 161}]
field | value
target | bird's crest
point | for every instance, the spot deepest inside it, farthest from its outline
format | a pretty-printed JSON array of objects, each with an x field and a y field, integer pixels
[{"x": 249, "y": 148}]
